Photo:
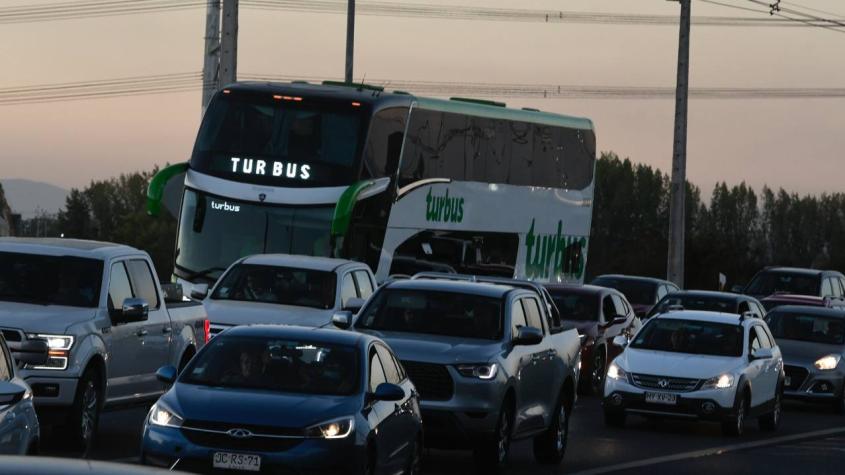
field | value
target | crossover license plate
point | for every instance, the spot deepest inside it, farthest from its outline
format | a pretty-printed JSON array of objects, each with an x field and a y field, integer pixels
[
  {"x": 661, "y": 398},
  {"x": 249, "y": 463}
]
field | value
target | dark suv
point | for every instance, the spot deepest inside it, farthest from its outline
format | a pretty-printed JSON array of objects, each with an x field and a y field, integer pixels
[
  {"x": 641, "y": 292},
  {"x": 797, "y": 281}
]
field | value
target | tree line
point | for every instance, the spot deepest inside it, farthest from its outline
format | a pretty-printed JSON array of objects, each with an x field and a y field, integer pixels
[{"x": 735, "y": 233}]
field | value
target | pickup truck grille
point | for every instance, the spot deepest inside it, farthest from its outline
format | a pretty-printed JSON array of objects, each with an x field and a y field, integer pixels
[
  {"x": 664, "y": 383},
  {"x": 796, "y": 375},
  {"x": 12, "y": 335},
  {"x": 433, "y": 381},
  {"x": 262, "y": 438}
]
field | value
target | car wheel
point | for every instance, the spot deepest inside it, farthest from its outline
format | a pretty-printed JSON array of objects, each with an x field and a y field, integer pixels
[
  {"x": 414, "y": 466},
  {"x": 492, "y": 454},
  {"x": 735, "y": 423},
  {"x": 771, "y": 421},
  {"x": 370, "y": 461},
  {"x": 550, "y": 446},
  {"x": 614, "y": 418},
  {"x": 598, "y": 373},
  {"x": 84, "y": 413}
]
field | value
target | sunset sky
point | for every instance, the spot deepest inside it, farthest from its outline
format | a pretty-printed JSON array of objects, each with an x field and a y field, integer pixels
[{"x": 796, "y": 144}]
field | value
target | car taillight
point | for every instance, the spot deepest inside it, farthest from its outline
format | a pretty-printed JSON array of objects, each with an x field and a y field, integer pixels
[{"x": 206, "y": 328}]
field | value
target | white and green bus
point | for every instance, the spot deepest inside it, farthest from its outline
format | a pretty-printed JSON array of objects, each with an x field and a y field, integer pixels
[{"x": 400, "y": 182}]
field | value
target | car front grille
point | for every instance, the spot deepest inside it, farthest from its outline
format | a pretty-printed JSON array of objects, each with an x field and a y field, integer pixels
[
  {"x": 262, "y": 439},
  {"x": 665, "y": 383},
  {"x": 797, "y": 375},
  {"x": 432, "y": 381}
]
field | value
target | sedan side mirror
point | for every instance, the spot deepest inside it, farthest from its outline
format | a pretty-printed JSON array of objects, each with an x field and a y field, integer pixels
[
  {"x": 167, "y": 374},
  {"x": 10, "y": 393},
  {"x": 133, "y": 310},
  {"x": 199, "y": 291},
  {"x": 30, "y": 352},
  {"x": 761, "y": 354},
  {"x": 342, "y": 319},
  {"x": 354, "y": 305},
  {"x": 388, "y": 392},
  {"x": 528, "y": 336},
  {"x": 620, "y": 340}
]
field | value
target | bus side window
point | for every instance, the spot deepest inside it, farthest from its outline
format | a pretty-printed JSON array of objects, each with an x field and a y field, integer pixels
[
  {"x": 521, "y": 138},
  {"x": 384, "y": 143}
]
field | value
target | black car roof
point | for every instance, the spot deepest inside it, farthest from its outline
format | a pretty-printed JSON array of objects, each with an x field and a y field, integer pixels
[
  {"x": 811, "y": 310},
  {"x": 462, "y": 287},
  {"x": 316, "y": 335},
  {"x": 709, "y": 293},
  {"x": 637, "y": 278},
  {"x": 800, "y": 270}
]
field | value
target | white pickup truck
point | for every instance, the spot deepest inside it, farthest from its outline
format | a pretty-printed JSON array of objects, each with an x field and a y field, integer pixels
[{"x": 106, "y": 323}]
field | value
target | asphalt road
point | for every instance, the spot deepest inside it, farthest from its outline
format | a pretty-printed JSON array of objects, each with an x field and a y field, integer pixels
[{"x": 811, "y": 440}]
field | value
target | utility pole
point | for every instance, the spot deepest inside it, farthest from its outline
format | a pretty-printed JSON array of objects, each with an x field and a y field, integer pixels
[
  {"x": 229, "y": 44},
  {"x": 677, "y": 206},
  {"x": 350, "y": 40},
  {"x": 211, "y": 56}
]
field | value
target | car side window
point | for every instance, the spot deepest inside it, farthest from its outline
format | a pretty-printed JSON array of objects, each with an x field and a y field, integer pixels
[
  {"x": 376, "y": 372},
  {"x": 661, "y": 292},
  {"x": 619, "y": 304},
  {"x": 827, "y": 289},
  {"x": 365, "y": 285},
  {"x": 391, "y": 373},
  {"x": 760, "y": 310},
  {"x": 837, "y": 290},
  {"x": 401, "y": 369},
  {"x": 143, "y": 282},
  {"x": 532, "y": 313},
  {"x": 608, "y": 309},
  {"x": 753, "y": 340},
  {"x": 119, "y": 287},
  {"x": 5, "y": 364},
  {"x": 347, "y": 290},
  {"x": 743, "y": 307},
  {"x": 841, "y": 284},
  {"x": 762, "y": 337},
  {"x": 517, "y": 317}
]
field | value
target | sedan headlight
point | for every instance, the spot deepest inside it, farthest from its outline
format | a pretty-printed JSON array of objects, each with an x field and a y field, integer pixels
[
  {"x": 162, "y": 416},
  {"x": 617, "y": 373},
  {"x": 827, "y": 363},
  {"x": 723, "y": 381},
  {"x": 480, "y": 371},
  {"x": 334, "y": 429},
  {"x": 58, "y": 350}
]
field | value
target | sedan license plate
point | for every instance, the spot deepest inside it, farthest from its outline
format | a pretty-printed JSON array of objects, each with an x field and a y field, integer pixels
[
  {"x": 661, "y": 398},
  {"x": 246, "y": 462}
]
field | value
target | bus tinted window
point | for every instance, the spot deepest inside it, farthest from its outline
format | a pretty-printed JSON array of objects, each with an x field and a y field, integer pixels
[
  {"x": 255, "y": 138},
  {"x": 384, "y": 142},
  {"x": 435, "y": 147}
]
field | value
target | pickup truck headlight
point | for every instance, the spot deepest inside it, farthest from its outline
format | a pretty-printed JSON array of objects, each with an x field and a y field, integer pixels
[
  {"x": 617, "y": 373},
  {"x": 162, "y": 416},
  {"x": 334, "y": 429},
  {"x": 723, "y": 381},
  {"x": 480, "y": 371},
  {"x": 827, "y": 363},
  {"x": 58, "y": 350}
]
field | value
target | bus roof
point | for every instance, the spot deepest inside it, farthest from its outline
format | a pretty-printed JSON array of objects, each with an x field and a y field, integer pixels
[{"x": 380, "y": 99}]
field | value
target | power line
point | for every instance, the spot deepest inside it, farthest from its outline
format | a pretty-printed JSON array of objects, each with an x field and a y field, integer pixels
[
  {"x": 92, "y": 9},
  {"x": 810, "y": 19},
  {"x": 823, "y": 12}
]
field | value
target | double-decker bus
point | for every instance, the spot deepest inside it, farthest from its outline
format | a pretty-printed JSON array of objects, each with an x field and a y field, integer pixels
[{"x": 400, "y": 182}]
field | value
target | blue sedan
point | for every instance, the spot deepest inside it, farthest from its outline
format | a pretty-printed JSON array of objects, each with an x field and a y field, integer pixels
[
  {"x": 271, "y": 399},
  {"x": 19, "y": 429}
]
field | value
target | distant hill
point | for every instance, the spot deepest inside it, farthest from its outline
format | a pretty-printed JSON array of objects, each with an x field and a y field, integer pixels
[{"x": 28, "y": 197}]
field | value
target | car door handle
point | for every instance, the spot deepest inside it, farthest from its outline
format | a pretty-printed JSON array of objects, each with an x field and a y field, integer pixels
[
  {"x": 141, "y": 333},
  {"x": 166, "y": 330}
]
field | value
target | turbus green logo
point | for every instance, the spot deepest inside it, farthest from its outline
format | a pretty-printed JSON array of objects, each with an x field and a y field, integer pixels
[
  {"x": 444, "y": 209},
  {"x": 552, "y": 256}
]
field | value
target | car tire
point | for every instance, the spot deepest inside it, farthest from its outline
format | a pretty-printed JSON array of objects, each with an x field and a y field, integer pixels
[
  {"x": 84, "y": 419},
  {"x": 734, "y": 425},
  {"x": 614, "y": 418},
  {"x": 492, "y": 454},
  {"x": 370, "y": 461},
  {"x": 414, "y": 465},
  {"x": 771, "y": 421},
  {"x": 550, "y": 446},
  {"x": 598, "y": 373}
]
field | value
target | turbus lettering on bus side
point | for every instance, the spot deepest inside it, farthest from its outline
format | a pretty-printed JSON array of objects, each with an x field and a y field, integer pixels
[
  {"x": 552, "y": 256},
  {"x": 443, "y": 209},
  {"x": 250, "y": 166}
]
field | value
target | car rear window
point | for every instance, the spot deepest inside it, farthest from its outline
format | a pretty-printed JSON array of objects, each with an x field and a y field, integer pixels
[{"x": 805, "y": 327}]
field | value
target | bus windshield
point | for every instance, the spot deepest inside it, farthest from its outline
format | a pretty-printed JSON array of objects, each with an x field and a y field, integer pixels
[
  {"x": 214, "y": 232},
  {"x": 256, "y": 138}
]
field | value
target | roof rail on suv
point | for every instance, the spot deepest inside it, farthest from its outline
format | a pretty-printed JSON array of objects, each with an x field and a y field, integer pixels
[{"x": 523, "y": 284}]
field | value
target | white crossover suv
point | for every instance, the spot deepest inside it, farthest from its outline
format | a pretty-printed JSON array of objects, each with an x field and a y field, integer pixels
[{"x": 698, "y": 365}]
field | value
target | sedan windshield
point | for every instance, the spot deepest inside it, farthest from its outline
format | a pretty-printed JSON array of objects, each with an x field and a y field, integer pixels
[
  {"x": 50, "y": 280},
  {"x": 436, "y": 313},
  {"x": 803, "y": 327},
  {"x": 279, "y": 285},
  {"x": 690, "y": 336},
  {"x": 275, "y": 364},
  {"x": 695, "y": 302},
  {"x": 578, "y": 307},
  {"x": 637, "y": 292},
  {"x": 768, "y": 283}
]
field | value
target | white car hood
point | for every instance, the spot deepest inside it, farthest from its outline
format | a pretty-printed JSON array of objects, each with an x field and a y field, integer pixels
[
  {"x": 34, "y": 318},
  {"x": 232, "y": 312},
  {"x": 679, "y": 365}
]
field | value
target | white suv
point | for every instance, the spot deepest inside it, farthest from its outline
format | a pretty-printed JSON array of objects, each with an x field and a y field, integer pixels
[{"x": 698, "y": 365}]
